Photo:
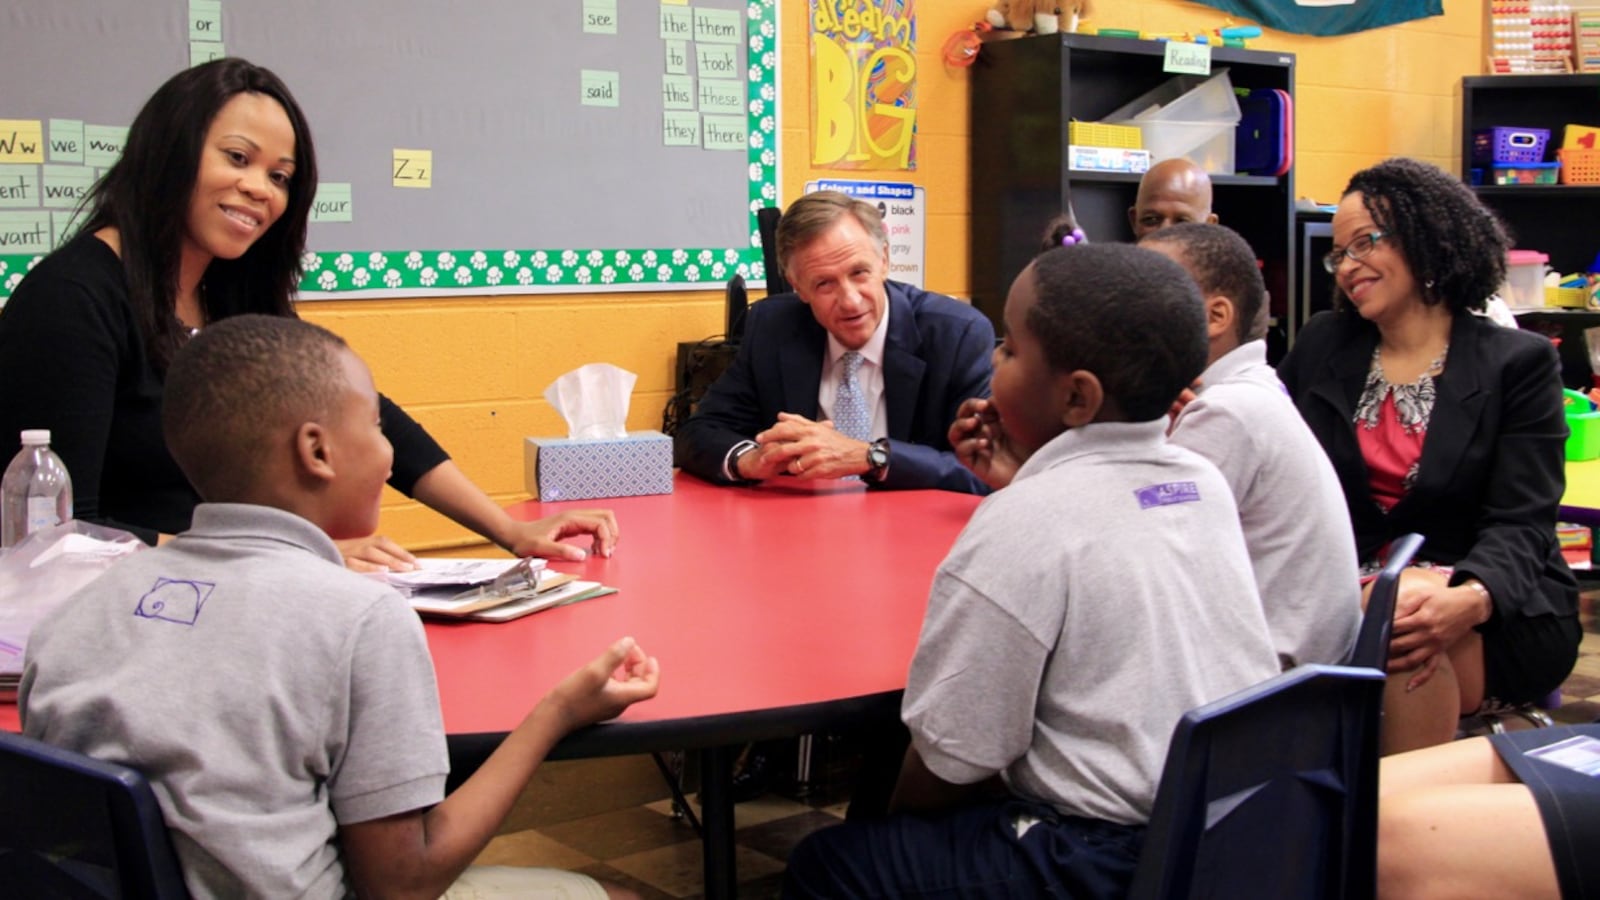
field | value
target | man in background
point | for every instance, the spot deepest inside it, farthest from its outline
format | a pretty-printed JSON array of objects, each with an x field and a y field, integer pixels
[
  {"x": 851, "y": 375},
  {"x": 1174, "y": 191}
]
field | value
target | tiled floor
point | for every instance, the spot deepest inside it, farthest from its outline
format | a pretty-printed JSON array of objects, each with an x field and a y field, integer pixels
[
  {"x": 1580, "y": 693},
  {"x": 645, "y": 848}
]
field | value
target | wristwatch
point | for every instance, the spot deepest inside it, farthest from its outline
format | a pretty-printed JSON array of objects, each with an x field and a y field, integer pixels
[
  {"x": 731, "y": 463},
  {"x": 878, "y": 459}
]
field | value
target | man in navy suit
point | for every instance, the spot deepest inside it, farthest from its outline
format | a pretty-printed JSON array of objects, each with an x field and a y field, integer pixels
[{"x": 776, "y": 408}]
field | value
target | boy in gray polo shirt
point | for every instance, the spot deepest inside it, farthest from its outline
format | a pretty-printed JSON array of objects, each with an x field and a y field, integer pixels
[
  {"x": 1083, "y": 610},
  {"x": 1291, "y": 506},
  {"x": 283, "y": 707}
]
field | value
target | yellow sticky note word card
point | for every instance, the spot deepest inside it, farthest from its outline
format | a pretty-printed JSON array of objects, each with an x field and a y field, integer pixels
[
  {"x": 21, "y": 141},
  {"x": 413, "y": 168}
]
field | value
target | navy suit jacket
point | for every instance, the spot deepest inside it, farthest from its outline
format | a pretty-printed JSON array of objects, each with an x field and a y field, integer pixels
[
  {"x": 1492, "y": 470},
  {"x": 937, "y": 353}
]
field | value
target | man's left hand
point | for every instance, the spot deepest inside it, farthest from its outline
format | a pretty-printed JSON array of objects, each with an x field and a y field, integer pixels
[{"x": 819, "y": 451}]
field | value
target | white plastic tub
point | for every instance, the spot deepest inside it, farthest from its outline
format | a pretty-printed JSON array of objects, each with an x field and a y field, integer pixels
[
  {"x": 1524, "y": 287},
  {"x": 1187, "y": 116},
  {"x": 1210, "y": 145}
]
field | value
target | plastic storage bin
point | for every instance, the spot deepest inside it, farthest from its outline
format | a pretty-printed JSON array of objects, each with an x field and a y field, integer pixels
[
  {"x": 1187, "y": 116},
  {"x": 1509, "y": 145},
  {"x": 1184, "y": 98},
  {"x": 1210, "y": 145},
  {"x": 1524, "y": 287},
  {"x": 1527, "y": 173},
  {"x": 1583, "y": 425},
  {"x": 1566, "y": 297},
  {"x": 1100, "y": 134},
  {"x": 1579, "y": 165},
  {"x": 1107, "y": 159}
]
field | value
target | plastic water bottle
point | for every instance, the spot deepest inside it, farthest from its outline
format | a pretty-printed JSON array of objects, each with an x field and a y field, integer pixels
[{"x": 36, "y": 491}]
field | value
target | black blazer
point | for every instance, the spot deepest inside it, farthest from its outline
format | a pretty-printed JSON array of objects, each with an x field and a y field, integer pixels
[
  {"x": 1493, "y": 462},
  {"x": 937, "y": 353}
]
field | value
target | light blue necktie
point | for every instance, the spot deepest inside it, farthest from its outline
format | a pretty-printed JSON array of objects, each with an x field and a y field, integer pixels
[{"x": 850, "y": 415}]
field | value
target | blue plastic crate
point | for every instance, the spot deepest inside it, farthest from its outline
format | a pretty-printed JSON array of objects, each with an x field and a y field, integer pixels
[
  {"x": 1509, "y": 144},
  {"x": 1526, "y": 173}
]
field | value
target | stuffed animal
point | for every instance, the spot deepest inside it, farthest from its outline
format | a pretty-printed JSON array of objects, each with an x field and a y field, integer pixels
[
  {"x": 1015, "y": 15},
  {"x": 1041, "y": 16}
]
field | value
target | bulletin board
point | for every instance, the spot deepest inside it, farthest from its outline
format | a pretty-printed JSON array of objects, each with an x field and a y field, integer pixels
[{"x": 496, "y": 146}]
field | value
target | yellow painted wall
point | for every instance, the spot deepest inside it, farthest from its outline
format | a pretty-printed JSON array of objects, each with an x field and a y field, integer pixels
[{"x": 473, "y": 370}]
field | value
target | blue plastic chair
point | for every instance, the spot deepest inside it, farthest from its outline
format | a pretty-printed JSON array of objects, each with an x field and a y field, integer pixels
[
  {"x": 1271, "y": 792},
  {"x": 72, "y": 826},
  {"x": 1372, "y": 642}
]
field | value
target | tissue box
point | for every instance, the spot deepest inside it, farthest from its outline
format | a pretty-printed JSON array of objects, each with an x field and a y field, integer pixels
[{"x": 583, "y": 469}]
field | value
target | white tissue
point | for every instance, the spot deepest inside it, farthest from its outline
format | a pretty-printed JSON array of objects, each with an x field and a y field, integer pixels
[{"x": 594, "y": 400}]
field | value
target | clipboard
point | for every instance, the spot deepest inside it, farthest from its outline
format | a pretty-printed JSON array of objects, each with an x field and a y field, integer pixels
[{"x": 518, "y": 591}]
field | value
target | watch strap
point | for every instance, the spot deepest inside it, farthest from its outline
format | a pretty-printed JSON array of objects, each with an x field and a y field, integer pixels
[
  {"x": 878, "y": 459},
  {"x": 730, "y": 463}
]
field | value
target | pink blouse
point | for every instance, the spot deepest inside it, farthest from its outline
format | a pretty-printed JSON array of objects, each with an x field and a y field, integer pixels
[
  {"x": 1392, "y": 453},
  {"x": 1391, "y": 422}
]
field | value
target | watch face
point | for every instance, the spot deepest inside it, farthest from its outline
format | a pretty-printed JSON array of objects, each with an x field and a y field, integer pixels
[{"x": 877, "y": 457}]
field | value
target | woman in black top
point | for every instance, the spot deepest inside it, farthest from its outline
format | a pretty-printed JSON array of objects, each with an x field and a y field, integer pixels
[
  {"x": 203, "y": 217},
  {"x": 1440, "y": 422}
]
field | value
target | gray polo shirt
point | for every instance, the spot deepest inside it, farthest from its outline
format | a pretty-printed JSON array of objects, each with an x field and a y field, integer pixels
[
  {"x": 1296, "y": 524},
  {"x": 1083, "y": 609},
  {"x": 268, "y": 693}
]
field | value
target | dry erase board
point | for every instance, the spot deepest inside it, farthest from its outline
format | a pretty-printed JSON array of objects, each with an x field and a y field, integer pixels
[{"x": 497, "y": 146}]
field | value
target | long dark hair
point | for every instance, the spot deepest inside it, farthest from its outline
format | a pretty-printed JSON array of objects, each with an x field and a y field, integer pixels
[{"x": 146, "y": 195}]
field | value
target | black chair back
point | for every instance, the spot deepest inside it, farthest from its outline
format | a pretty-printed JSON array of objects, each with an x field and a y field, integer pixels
[
  {"x": 72, "y": 826},
  {"x": 1372, "y": 642},
  {"x": 767, "y": 226},
  {"x": 1270, "y": 792},
  {"x": 735, "y": 300}
]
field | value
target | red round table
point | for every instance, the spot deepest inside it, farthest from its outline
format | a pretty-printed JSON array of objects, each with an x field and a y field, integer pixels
[{"x": 775, "y": 610}]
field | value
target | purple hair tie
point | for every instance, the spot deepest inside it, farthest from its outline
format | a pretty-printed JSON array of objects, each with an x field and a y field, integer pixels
[{"x": 1076, "y": 237}]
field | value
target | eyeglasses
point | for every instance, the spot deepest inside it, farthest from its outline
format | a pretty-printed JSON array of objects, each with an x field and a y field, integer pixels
[{"x": 1360, "y": 247}]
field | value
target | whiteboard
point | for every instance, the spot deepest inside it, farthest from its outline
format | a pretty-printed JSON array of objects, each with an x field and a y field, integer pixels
[{"x": 567, "y": 144}]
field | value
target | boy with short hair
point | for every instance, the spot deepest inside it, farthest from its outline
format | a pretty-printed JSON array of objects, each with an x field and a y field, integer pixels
[
  {"x": 283, "y": 707},
  {"x": 1081, "y": 612},
  {"x": 1292, "y": 509}
]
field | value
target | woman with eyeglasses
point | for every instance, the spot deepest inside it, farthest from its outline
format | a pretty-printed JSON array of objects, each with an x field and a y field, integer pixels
[{"x": 1440, "y": 422}]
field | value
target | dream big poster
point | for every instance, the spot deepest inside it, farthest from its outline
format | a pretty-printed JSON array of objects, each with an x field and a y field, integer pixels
[{"x": 863, "y": 84}]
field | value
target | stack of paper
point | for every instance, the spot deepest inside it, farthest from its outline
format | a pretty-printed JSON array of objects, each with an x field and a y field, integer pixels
[
  {"x": 453, "y": 575},
  {"x": 484, "y": 590}
]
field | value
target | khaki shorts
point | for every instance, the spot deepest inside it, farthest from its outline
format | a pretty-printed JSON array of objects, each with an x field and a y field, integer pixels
[{"x": 494, "y": 882}]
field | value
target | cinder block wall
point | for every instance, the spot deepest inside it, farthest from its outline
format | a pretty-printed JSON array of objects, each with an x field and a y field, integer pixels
[{"x": 474, "y": 370}]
